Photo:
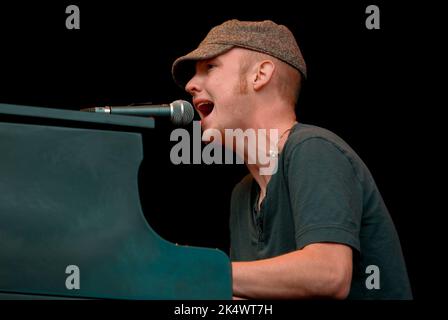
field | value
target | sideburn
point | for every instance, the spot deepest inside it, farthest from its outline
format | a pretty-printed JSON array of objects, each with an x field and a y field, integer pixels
[
  {"x": 245, "y": 64},
  {"x": 242, "y": 85}
]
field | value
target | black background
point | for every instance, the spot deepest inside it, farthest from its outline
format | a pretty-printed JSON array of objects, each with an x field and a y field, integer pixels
[{"x": 363, "y": 85}]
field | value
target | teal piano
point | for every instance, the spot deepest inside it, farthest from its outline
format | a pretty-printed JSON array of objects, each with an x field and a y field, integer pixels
[{"x": 71, "y": 221}]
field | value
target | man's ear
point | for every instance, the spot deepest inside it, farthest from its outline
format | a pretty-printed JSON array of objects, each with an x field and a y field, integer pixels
[{"x": 264, "y": 73}]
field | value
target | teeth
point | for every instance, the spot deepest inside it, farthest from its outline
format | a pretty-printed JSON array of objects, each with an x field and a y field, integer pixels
[{"x": 204, "y": 103}]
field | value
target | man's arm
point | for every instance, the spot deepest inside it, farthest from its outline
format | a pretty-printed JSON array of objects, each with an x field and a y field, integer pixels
[{"x": 320, "y": 270}]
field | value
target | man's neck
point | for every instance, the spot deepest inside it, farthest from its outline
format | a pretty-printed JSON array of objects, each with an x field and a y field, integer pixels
[{"x": 277, "y": 141}]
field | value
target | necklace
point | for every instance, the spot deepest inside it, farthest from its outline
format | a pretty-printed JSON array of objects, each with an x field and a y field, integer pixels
[{"x": 274, "y": 153}]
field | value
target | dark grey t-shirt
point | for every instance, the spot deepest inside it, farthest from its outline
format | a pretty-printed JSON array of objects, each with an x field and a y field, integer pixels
[{"x": 321, "y": 192}]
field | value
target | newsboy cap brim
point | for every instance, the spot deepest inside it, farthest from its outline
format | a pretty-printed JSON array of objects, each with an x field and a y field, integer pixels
[{"x": 184, "y": 67}]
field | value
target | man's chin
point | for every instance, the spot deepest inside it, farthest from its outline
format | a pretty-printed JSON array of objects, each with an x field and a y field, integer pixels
[
  {"x": 212, "y": 131},
  {"x": 206, "y": 124}
]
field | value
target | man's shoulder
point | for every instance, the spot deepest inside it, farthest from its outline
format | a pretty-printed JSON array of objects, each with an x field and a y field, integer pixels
[
  {"x": 313, "y": 145},
  {"x": 316, "y": 135},
  {"x": 303, "y": 132}
]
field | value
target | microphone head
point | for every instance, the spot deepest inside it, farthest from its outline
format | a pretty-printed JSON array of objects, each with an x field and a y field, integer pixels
[{"x": 182, "y": 112}]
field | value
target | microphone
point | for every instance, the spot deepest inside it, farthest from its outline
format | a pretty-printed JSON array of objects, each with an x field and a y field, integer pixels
[{"x": 181, "y": 112}]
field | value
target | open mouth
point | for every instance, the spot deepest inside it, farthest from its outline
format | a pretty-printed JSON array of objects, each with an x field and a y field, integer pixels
[{"x": 205, "y": 108}]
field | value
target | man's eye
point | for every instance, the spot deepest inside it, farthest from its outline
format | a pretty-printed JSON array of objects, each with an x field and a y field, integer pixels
[{"x": 210, "y": 66}]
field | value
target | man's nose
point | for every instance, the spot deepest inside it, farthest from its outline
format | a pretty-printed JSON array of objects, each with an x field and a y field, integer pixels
[{"x": 193, "y": 86}]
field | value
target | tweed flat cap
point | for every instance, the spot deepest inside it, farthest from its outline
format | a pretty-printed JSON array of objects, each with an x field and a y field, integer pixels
[{"x": 263, "y": 36}]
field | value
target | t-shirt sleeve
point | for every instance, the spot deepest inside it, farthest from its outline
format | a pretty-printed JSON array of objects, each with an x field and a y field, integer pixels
[{"x": 325, "y": 193}]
